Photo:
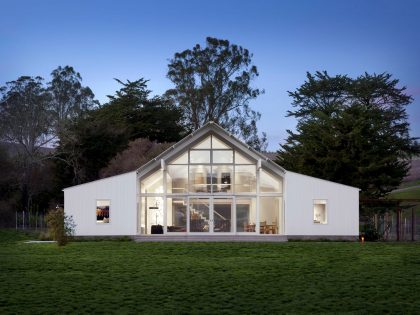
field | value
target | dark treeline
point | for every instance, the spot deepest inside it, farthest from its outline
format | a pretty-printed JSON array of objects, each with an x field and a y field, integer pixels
[{"x": 55, "y": 134}]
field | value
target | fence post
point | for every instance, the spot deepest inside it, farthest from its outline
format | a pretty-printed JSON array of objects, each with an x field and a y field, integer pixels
[
  {"x": 398, "y": 223},
  {"x": 23, "y": 219},
  {"x": 16, "y": 220},
  {"x": 413, "y": 224}
]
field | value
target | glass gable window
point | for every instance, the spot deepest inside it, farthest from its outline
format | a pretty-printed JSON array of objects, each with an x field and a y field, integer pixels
[
  {"x": 204, "y": 144},
  {"x": 269, "y": 183},
  {"x": 245, "y": 178},
  {"x": 218, "y": 144},
  {"x": 222, "y": 156},
  {"x": 240, "y": 159},
  {"x": 153, "y": 183},
  {"x": 182, "y": 159},
  {"x": 211, "y": 187},
  {"x": 199, "y": 156}
]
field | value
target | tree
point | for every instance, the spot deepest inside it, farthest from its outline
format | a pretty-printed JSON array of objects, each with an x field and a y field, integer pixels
[
  {"x": 351, "y": 131},
  {"x": 69, "y": 99},
  {"x": 25, "y": 121},
  {"x": 132, "y": 108},
  {"x": 139, "y": 152},
  {"x": 93, "y": 140},
  {"x": 213, "y": 84}
]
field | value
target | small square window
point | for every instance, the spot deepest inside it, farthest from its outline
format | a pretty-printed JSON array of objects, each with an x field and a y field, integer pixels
[
  {"x": 320, "y": 211},
  {"x": 102, "y": 211}
]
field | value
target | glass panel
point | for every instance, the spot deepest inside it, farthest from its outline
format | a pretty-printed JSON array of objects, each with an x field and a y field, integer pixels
[
  {"x": 222, "y": 215},
  {"x": 222, "y": 156},
  {"x": 152, "y": 215},
  {"x": 245, "y": 178},
  {"x": 153, "y": 183},
  {"x": 176, "y": 215},
  {"x": 240, "y": 159},
  {"x": 177, "y": 179},
  {"x": 320, "y": 211},
  {"x": 199, "y": 215},
  {"x": 200, "y": 178},
  {"x": 222, "y": 178},
  {"x": 199, "y": 156},
  {"x": 205, "y": 144},
  {"x": 269, "y": 183},
  {"x": 182, "y": 159},
  {"x": 270, "y": 215},
  {"x": 246, "y": 214},
  {"x": 102, "y": 211},
  {"x": 217, "y": 144}
]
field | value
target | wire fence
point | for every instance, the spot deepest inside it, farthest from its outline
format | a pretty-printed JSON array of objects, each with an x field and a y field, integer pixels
[{"x": 26, "y": 220}]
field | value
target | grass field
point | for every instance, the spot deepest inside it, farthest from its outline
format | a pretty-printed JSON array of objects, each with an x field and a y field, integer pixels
[
  {"x": 165, "y": 278},
  {"x": 413, "y": 193}
]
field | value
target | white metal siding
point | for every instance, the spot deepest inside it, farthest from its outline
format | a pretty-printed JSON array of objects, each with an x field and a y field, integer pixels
[
  {"x": 342, "y": 206},
  {"x": 80, "y": 202}
]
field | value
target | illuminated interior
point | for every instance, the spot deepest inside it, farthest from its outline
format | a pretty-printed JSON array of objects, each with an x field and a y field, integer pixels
[
  {"x": 103, "y": 211},
  {"x": 211, "y": 188},
  {"x": 320, "y": 211}
]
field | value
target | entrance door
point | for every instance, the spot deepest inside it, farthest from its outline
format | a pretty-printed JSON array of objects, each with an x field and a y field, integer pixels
[{"x": 210, "y": 215}]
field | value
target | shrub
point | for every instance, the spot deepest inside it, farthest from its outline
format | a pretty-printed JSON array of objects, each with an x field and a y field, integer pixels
[
  {"x": 60, "y": 226},
  {"x": 370, "y": 233}
]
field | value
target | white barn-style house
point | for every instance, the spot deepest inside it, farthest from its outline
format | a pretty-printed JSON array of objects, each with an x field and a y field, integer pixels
[{"x": 211, "y": 186}]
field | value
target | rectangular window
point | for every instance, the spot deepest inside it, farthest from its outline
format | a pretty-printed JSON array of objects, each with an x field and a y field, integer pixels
[
  {"x": 199, "y": 156},
  {"x": 200, "y": 179},
  {"x": 223, "y": 156},
  {"x": 320, "y": 211},
  {"x": 177, "y": 179},
  {"x": 222, "y": 178},
  {"x": 270, "y": 215},
  {"x": 246, "y": 215},
  {"x": 102, "y": 211},
  {"x": 151, "y": 215}
]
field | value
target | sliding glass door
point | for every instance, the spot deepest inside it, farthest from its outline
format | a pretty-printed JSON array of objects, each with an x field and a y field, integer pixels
[
  {"x": 208, "y": 215},
  {"x": 222, "y": 215}
]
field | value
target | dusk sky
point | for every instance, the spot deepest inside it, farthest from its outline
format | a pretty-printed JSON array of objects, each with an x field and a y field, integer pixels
[{"x": 131, "y": 39}]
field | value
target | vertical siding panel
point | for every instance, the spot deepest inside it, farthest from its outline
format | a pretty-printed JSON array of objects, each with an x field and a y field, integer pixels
[{"x": 80, "y": 202}]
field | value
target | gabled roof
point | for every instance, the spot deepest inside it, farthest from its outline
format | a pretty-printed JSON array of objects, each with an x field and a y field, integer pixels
[{"x": 209, "y": 128}]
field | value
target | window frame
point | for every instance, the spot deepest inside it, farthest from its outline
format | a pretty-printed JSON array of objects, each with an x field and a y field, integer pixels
[
  {"x": 326, "y": 210},
  {"x": 109, "y": 215}
]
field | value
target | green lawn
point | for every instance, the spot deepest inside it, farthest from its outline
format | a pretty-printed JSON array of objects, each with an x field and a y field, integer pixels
[
  {"x": 413, "y": 193},
  {"x": 164, "y": 278}
]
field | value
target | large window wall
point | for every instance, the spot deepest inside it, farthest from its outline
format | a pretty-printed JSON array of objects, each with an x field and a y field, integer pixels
[{"x": 211, "y": 188}]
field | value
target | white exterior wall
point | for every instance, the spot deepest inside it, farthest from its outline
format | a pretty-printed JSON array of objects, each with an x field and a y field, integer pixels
[
  {"x": 342, "y": 207},
  {"x": 121, "y": 190}
]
